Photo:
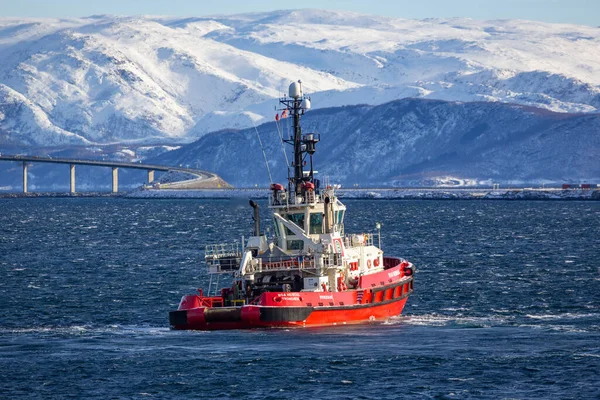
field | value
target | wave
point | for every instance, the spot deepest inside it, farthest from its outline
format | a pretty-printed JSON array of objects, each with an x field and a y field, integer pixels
[
  {"x": 564, "y": 322},
  {"x": 562, "y": 316},
  {"x": 86, "y": 329},
  {"x": 587, "y": 355},
  {"x": 461, "y": 321}
]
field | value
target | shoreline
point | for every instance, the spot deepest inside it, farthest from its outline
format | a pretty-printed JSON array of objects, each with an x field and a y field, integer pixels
[
  {"x": 369, "y": 194},
  {"x": 389, "y": 194}
]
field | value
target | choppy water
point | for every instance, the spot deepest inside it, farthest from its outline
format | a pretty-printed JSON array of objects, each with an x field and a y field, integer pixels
[{"x": 506, "y": 305}]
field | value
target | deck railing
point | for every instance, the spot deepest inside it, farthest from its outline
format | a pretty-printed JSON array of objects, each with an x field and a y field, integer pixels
[
  {"x": 223, "y": 257},
  {"x": 363, "y": 239},
  {"x": 258, "y": 265},
  {"x": 231, "y": 249}
]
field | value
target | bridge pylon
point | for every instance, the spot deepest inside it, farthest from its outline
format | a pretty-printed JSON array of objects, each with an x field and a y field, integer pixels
[
  {"x": 72, "y": 180},
  {"x": 24, "y": 176},
  {"x": 115, "y": 179}
]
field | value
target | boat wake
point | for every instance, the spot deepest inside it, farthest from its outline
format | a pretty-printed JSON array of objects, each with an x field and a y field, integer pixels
[
  {"x": 80, "y": 330},
  {"x": 565, "y": 322},
  {"x": 447, "y": 321}
]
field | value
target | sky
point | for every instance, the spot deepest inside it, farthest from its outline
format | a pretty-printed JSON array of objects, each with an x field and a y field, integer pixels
[{"x": 583, "y": 12}]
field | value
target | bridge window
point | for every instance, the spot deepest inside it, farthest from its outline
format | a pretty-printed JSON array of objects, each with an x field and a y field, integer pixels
[
  {"x": 316, "y": 223},
  {"x": 340, "y": 217},
  {"x": 297, "y": 219}
]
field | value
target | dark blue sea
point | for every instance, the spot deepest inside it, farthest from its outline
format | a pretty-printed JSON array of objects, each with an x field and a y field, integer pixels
[{"x": 506, "y": 305}]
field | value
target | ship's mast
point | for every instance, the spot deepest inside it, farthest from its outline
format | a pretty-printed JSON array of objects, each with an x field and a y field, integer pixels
[
  {"x": 297, "y": 104},
  {"x": 298, "y": 167}
]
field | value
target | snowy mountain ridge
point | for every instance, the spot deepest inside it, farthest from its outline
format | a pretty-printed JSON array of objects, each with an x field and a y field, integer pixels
[
  {"x": 105, "y": 79},
  {"x": 413, "y": 142}
]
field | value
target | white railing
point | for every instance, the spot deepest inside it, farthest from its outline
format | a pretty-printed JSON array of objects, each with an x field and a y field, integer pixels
[
  {"x": 258, "y": 265},
  {"x": 331, "y": 260},
  {"x": 278, "y": 199},
  {"x": 223, "y": 257},
  {"x": 362, "y": 239},
  {"x": 223, "y": 250},
  {"x": 283, "y": 198}
]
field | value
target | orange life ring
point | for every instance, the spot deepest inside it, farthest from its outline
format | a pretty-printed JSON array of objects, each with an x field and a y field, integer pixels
[
  {"x": 368, "y": 263},
  {"x": 376, "y": 262}
]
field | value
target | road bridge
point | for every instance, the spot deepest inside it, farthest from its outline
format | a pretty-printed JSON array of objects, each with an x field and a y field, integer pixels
[{"x": 115, "y": 165}]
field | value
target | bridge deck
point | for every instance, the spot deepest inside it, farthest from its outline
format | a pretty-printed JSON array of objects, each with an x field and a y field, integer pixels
[
  {"x": 98, "y": 163},
  {"x": 204, "y": 179}
]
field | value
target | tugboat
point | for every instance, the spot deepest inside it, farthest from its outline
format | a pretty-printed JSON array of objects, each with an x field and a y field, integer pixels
[{"x": 310, "y": 272}]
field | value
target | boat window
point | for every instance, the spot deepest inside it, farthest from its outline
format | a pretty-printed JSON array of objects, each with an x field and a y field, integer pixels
[
  {"x": 276, "y": 224},
  {"x": 295, "y": 245},
  {"x": 316, "y": 223},
  {"x": 297, "y": 219},
  {"x": 340, "y": 217}
]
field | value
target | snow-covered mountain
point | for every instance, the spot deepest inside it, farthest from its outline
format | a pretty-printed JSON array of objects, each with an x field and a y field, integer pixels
[
  {"x": 414, "y": 142},
  {"x": 106, "y": 79}
]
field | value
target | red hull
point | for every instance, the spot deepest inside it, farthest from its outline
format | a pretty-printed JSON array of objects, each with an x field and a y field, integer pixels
[
  {"x": 385, "y": 297},
  {"x": 319, "y": 317}
]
